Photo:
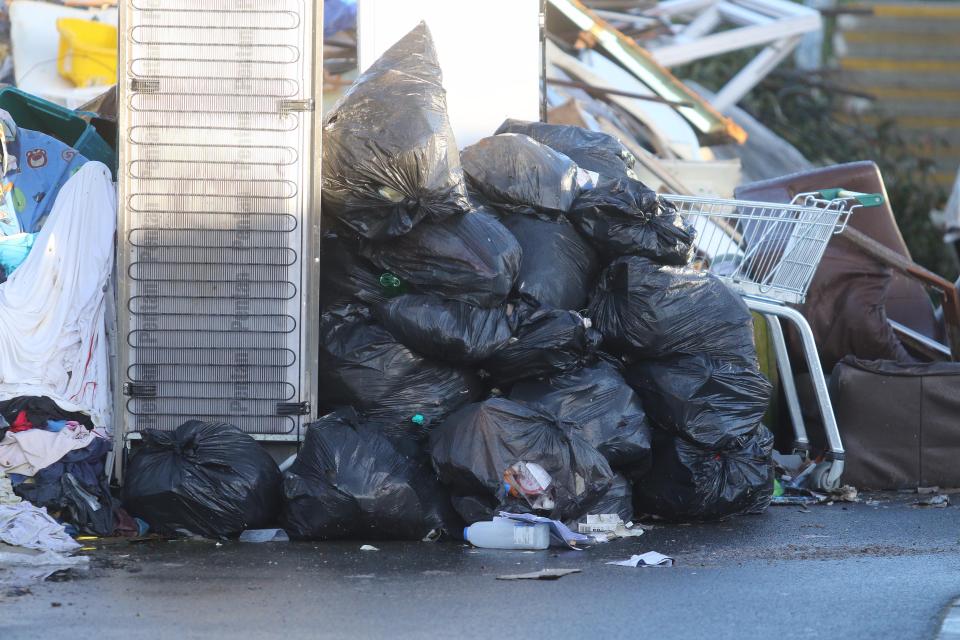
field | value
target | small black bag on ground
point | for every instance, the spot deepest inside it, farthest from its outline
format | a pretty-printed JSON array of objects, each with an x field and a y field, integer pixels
[
  {"x": 623, "y": 217},
  {"x": 208, "y": 478},
  {"x": 447, "y": 330},
  {"x": 363, "y": 366},
  {"x": 546, "y": 342},
  {"x": 606, "y": 411},
  {"x": 712, "y": 403},
  {"x": 389, "y": 156},
  {"x": 688, "y": 482},
  {"x": 521, "y": 458},
  {"x": 646, "y": 310},
  {"x": 471, "y": 258},
  {"x": 516, "y": 174},
  {"x": 559, "y": 268},
  {"x": 350, "y": 481},
  {"x": 591, "y": 150}
]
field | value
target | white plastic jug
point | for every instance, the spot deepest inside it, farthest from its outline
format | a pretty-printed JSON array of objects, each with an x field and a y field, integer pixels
[{"x": 503, "y": 533}]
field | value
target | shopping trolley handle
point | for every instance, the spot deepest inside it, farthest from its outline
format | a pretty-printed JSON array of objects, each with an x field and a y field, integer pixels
[{"x": 865, "y": 199}]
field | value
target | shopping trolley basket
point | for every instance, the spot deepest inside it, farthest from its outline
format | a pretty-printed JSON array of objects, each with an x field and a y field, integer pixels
[{"x": 769, "y": 254}]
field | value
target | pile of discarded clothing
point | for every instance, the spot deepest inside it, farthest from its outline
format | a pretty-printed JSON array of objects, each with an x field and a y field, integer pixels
[
  {"x": 515, "y": 327},
  {"x": 54, "y": 459}
]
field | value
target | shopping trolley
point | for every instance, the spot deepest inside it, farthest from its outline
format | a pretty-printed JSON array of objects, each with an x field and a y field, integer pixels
[{"x": 769, "y": 253}]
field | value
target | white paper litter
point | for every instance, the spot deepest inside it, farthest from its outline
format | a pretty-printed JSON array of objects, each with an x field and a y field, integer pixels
[
  {"x": 264, "y": 535},
  {"x": 648, "y": 559},
  {"x": 368, "y": 547}
]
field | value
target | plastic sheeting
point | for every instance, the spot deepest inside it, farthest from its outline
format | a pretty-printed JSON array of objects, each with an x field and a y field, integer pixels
[{"x": 52, "y": 330}]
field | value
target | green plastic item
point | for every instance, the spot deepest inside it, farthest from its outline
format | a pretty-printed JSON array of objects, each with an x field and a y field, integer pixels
[
  {"x": 392, "y": 285},
  {"x": 865, "y": 199},
  {"x": 418, "y": 420},
  {"x": 777, "y": 488},
  {"x": 66, "y": 125}
]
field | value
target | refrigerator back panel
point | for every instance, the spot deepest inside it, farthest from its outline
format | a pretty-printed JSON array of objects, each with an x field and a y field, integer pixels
[{"x": 220, "y": 213}]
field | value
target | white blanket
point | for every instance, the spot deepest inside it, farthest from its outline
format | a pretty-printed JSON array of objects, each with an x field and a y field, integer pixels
[{"x": 52, "y": 332}]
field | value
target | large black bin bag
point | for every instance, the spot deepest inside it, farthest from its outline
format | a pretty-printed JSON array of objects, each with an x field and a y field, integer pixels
[
  {"x": 517, "y": 174},
  {"x": 519, "y": 457},
  {"x": 605, "y": 410},
  {"x": 471, "y": 258},
  {"x": 208, "y": 478},
  {"x": 559, "y": 268},
  {"x": 623, "y": 217},
  {"x": 389, "y": 156},
  {"x": 350, "y": 481},
  {"x": 647, "y": 310},
  {"x": 363, "y": 366},
  {"x": 688, "y": 482},
  {"x": 591, "y": 150}
]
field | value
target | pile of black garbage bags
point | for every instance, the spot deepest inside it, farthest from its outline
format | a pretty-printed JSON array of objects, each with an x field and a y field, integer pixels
[{"x": 511, "y": 327}]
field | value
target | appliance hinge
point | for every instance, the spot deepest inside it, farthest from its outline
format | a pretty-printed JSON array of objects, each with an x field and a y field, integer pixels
[
  {"x": 293, "y": 408},
  {"x": 139, "y": 390},
  {"x": 289, "y": 106}
]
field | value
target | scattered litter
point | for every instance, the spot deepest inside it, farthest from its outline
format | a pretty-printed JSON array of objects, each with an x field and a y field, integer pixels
[
  {"x": 368, "y": 547},
  {"x": 264, "y": 535},
  {"x": 609, "y": 526},
  {"x": 543, "y": 574},
  {"x": 648, "y": 559},
  {"x": 939, "y": 501},
  {"x": 504, "y": 533}
]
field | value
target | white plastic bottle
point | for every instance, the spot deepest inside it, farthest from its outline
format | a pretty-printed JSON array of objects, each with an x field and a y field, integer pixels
[{"x": 503, "y": 533}]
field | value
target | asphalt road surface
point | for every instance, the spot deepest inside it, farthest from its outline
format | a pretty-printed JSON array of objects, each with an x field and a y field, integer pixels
[{"x": 877, "y": 569}]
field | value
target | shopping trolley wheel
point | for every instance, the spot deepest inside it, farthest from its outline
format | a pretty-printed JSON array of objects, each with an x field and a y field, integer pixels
[{"x": 820, "y": 477}]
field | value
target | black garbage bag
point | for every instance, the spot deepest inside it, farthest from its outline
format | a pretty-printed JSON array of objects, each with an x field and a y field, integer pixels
[
  {"x": 605, "y": 410},
  {"x": 350, "y": 482},
  {"x": 516, "y": 174},
  {"x": 591, "y": 150},
  {"x": 447, "y": 330},
  {"x": 471, "y": 258},
  {"x": 520, "y": 457},
  {"x": 546, "y": 342},
  {"x": 346, "y": 278},
  {"x": 93, "y": 510},
  {"x": 559, "y": 268},
  {"x": 208, "y": 478},
  {"x": 688, "y": 482},
  {"x": 712, "y": 403},
  {"x": 389, "y": 156},
  {"x": 363, "y": 366},
  {"x": 646, "y": 310},
  {"x": 623, "y": 217}
]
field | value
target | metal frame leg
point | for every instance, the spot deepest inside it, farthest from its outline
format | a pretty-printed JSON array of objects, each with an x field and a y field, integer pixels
[
  {"x": 800, "y": 442},
  {"x": 836, "y": 454}
]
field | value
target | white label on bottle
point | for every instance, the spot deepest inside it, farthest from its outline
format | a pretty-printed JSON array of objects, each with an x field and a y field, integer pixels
[{"x": 523, "y": 535}]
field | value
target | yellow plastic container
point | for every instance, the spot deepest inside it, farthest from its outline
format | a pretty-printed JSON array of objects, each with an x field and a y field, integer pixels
[{"x": 88, "y": 52}]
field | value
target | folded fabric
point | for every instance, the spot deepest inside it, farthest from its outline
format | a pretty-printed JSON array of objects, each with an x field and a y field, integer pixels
[
  {"x": 28, "y": 452},
  {"x": 52, "y": 332},
  {"x": 24, "y": 525}
]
